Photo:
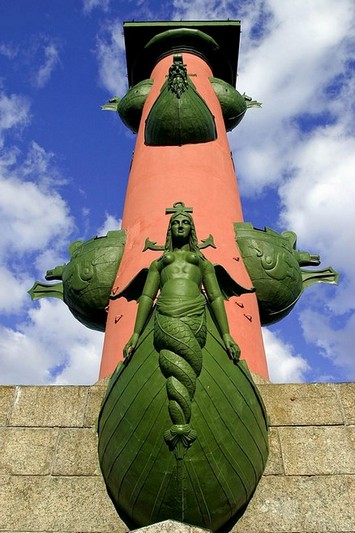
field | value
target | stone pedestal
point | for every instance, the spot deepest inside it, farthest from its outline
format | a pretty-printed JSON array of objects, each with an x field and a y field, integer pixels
[{"x": 50, "y": 479}]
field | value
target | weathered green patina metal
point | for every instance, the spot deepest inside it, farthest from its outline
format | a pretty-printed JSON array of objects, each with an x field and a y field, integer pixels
[
  {"x": 274, "y": 265},
  {"x": 182, "y": 430},
  {"x": 131, "y": 105},
  {"x": 233, "y": 104},
  {"x": 179, "y": 115},
  {"x": 86, "y": 281}
]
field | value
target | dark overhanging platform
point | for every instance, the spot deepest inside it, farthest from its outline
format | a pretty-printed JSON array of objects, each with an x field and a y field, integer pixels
[{"x": 148, "y": 42}]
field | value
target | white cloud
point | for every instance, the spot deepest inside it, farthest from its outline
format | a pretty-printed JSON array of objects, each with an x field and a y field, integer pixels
[
  {"x": 13, "y": 291},
  {"x": 22, "y": 359},
  {"x": 338, "y": 346},
  {"x": 30, "y": 218},
  {"x": 284, "y": 366},
  {"x": 50, "y": 62},
  {"x": 110, "y": 52},
  {"x": 31, "y": 214},
  {"x": 45, "y": 344},
  {"x": 8, "y": 50},
  {"x": 51, "y": 347},
  {"x": 318, "y": 202},
  {"x": 288, "y": 71},
  {"x": 14, "y": 113},
  {"x": 89, "y": 5},
  {"x": 49, "y": 258},
  {"x": 204, "y": 9},
  {"x": 111, "y": 223}
]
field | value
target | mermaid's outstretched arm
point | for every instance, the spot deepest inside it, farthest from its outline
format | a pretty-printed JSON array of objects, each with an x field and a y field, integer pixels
[
  {"x": 145, "y": 305},
  {"x": 216, "y": 300}
]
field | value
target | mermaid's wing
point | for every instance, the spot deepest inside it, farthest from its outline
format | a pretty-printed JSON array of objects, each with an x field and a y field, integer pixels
[
  {"x": 134, "y": 288},
  {"x": 229, "y": 287}
]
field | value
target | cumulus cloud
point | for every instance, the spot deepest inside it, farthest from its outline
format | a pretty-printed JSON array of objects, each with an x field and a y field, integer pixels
[
  {"x": 335, "y": 345},
  {"x": 14, "y": 286},
  {"x": 32, "y": 214},
  {"x": 30, "y": 217},
  {"x": 284, "y": 366},
  {"x": 110, "y": 223},
  {"x": 50, "y": 347},
  {"x": 110, "y": 52},
  {"x": 318, "y": 204},
  {"x": 289, "y": 71},
  {"x": 44, "y": 343},
  {"x": 47, "y": 344}
]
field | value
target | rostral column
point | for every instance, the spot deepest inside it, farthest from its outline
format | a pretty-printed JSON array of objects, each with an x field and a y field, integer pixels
[{"x": 200, "y": 174}]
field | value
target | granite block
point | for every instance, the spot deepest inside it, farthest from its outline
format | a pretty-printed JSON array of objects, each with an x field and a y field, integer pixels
[
  {"x": 274, "y": 465},
  {"x": 318, "y": 450},
  {"x": 295, "y": 504},
  {"x": 27, "y": 451},
  {"x": 302, "y": 404},
  {"x": 346, "y": 393},
  {"x": 76, "y": 453},
  {"x": 6, "y": 398},
  {"x": 49, "y": 406},
  {"x": 57, "y": 504},
  {"x": 94, "y": 401}
]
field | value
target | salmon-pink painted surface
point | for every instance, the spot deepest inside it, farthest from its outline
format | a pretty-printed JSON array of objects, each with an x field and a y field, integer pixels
[{"x": 203, "y": 177}]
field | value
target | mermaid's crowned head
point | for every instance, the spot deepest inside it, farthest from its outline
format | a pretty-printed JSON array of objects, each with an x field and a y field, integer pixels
[{"x": 179, "y": 209}]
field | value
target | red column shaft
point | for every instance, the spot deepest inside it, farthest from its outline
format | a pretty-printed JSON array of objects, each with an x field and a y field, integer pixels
[{"x": 203, "y": 177}]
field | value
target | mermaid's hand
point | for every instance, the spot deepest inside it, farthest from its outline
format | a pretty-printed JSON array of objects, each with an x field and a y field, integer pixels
[
  {"x": 130, "y": 346},
  {"x": 232, "y": 347}
]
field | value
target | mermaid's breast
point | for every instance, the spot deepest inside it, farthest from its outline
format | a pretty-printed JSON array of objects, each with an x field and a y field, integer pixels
[{"x": 216, "y": 474}]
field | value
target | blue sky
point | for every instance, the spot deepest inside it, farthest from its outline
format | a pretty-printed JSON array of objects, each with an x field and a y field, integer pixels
[{"x": 64, "y": 166}]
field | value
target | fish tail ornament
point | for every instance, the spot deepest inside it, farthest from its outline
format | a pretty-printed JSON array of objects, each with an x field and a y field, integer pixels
[{"x": 179, "y": 342}]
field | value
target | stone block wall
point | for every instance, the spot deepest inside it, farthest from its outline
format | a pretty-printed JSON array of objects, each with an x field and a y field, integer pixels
[{"x": 50, "y": 479}]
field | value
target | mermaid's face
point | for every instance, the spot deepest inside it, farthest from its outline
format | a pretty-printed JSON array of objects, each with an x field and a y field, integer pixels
[{"x": 180, "y": 227}]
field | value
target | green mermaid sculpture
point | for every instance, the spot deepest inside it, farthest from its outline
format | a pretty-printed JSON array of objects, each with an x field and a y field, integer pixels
[
  {"x": 179, "y": 274},
  {"x": 180, "y": 319}
]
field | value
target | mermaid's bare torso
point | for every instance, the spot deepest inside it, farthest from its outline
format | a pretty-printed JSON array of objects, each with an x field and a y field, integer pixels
[{"x": 180, "y": 274}]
